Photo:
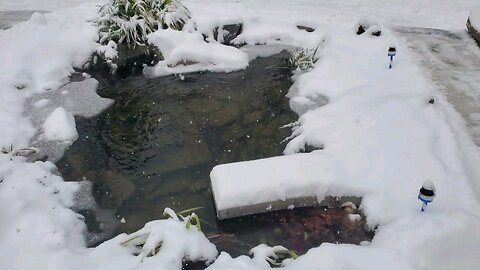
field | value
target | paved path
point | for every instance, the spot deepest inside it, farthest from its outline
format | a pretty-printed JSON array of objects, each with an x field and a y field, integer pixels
[{"x": 453, "y": 61}]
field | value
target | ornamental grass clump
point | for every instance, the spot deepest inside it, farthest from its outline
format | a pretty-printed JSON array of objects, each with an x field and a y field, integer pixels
[
  {"x": 280, "y": 254},
  {"x": 150, "y": 239},
  {"x": 130, "y": 21},
  {"x": 303, "y": 59}
]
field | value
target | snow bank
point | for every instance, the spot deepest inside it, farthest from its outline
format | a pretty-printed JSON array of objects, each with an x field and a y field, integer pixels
[
  {"x": 443, "y": 14},
  {"x": 380, "y": 128},
  {"x": 185, "y": 52},
  {"x": 381, "y": 139},
  {"x": 38, "y": 55},
  {"x": 446, "y": 240},
  {"x": 325, "y": 257},
  {"x": 49, "y": 5},
  {"x": 379, "y": 132},
  {"x": 38, "y": 68},
  {"x": 36, "y": 222},
  {"x": 277, "y": 31},
  {"x": 60, "y": 126}
]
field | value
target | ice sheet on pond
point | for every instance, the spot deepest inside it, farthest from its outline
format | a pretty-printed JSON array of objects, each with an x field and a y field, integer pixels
[{"x": 77, "y": 98}]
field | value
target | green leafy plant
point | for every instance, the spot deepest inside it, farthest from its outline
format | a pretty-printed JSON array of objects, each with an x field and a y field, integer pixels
[
  {"x": 303, "y": 59},
  {"x": 130, "y": 21}
]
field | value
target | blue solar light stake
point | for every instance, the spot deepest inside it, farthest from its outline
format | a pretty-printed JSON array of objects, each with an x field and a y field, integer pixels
[
  {"x": 391, "y": 53},
  {"x": 427, "y": 194}
]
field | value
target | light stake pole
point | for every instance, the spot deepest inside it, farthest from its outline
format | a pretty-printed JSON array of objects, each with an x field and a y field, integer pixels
[
  {"x": 391, "y": 53},
  {"x": 427, "y": 194}
]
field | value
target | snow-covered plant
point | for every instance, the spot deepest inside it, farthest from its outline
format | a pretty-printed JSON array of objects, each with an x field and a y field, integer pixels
[
  {"x": 273, "y": 255},
  {"x": 7, "y": 150},
  {"x": 130, "y": 21},
  {"x": 302, "y": 58},
  {"x": 150, "y": 238},
  {"x": 11, "y": 150}
]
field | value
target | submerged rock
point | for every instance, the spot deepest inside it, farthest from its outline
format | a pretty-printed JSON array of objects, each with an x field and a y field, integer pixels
[
  {"x": 227, "y": 33},
  {"x": 130, "y": 61},
  {"x": 369, "y": 27},
  {"x": 118, "y": 188},
  {"x": 306, "y": 28}
]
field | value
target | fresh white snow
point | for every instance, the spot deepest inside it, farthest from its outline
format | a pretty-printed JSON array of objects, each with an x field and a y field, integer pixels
[
  {"x": 382, "y": 138},
  {"x": 60, "y": 126},
  {"x": 186, "y": 51},
  {"x": 48, "y": 5},
  {"x": 475, "y": 17}
]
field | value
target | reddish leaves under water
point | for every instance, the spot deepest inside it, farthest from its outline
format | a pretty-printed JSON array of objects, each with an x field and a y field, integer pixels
[{"x": 298, "y": 229}]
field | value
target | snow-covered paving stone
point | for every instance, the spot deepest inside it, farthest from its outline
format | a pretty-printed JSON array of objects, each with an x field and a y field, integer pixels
[{"x": 300, "y": 179}]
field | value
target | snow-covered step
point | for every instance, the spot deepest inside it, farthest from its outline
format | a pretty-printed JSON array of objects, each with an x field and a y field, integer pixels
[{"x": 276, "y": 183}]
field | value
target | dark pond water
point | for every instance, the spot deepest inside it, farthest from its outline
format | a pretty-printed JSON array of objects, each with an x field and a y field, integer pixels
[{"x": 155, "y": 147}]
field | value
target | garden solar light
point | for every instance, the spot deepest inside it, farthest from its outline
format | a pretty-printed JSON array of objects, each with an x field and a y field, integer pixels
[
  {"x": 391, "y": 53},
  {"x": 427, "y": 194}
]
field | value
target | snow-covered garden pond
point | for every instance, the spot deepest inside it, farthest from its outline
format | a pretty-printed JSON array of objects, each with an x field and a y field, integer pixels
[
  {"x": 211, "y": 115},
  {"x": 156, "y": 145}
]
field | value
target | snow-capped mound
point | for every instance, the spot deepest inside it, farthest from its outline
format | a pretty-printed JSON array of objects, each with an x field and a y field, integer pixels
[
  {"x": 187, "y": 52},
  {"x": 60, "y": 126}
]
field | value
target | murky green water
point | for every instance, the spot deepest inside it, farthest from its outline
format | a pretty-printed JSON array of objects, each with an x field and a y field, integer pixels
[{"x": 155, "y": 147}]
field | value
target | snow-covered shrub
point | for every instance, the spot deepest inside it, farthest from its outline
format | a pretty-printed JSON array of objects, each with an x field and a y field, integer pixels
[
  {"x": 130, "y": 21},
  {"x": 303, "y": 59}
]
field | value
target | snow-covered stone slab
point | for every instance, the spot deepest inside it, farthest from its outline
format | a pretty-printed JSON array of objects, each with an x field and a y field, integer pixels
[{"x": 277, "y": 183}]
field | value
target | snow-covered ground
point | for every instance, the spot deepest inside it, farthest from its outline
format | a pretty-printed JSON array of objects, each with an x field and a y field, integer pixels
[
  {"x": 382, "y": 138},
  {"x": 46, "y": 5}
]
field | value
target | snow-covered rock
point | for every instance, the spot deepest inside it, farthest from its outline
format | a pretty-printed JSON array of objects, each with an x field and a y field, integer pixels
[
  {"x": 185, "y": 52},
  {"x": 60, "y": 126}
]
